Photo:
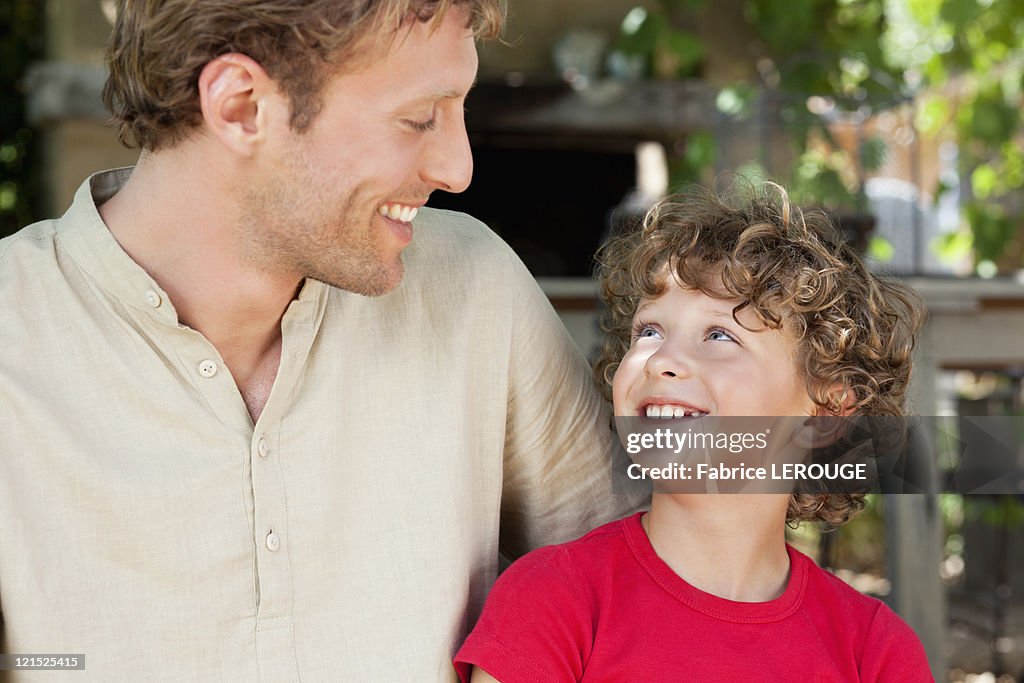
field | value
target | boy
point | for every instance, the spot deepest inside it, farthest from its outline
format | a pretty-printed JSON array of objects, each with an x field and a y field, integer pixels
[{"x": 715, "y": 310}]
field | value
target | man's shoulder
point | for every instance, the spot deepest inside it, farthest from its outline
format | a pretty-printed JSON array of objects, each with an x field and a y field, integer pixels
[
  {"x": 441, "y": 234},
  {"x": 464, "y": 255},
  {"x": 27, "y": 253},
  {"x": 32, "y": 241}
]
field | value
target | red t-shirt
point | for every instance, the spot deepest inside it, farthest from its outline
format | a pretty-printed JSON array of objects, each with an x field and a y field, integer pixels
[{"x": 606, "y": 608}]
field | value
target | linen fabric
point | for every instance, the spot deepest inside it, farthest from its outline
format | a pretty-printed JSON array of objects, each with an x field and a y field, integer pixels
[
  {"x": 351, "y": 533},
  {"x": 607, "y": 608}
]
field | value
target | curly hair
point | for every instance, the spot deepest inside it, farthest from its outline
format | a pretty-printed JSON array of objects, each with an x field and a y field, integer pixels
[
  {"x": 159, "y": 47},
  {"x": 854, "y": 329}
]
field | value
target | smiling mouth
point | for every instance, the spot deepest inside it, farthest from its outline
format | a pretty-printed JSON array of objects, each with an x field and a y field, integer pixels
[
  {"x": 398, "y": 212},
  {"x": 670, "y": 411}
]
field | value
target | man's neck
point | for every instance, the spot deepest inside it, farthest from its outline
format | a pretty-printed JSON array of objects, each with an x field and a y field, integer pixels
[
  {"x": 180, "y": 223},
  {"x": 732, "y": 546}
]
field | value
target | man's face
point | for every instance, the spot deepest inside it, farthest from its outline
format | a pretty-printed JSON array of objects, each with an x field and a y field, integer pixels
[
  {"x": 689, "y": 357},
  {"x": 335, "y": 202}
]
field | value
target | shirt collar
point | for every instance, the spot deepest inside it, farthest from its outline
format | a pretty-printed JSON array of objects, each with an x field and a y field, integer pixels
[{"x": 88, "y": 241}]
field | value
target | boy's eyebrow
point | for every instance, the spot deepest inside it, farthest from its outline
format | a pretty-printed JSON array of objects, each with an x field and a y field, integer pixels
[
  {"x": 711, "y": 312},
  {"x": 646, "y": 303},
  {"x": 721, "y": 314}
]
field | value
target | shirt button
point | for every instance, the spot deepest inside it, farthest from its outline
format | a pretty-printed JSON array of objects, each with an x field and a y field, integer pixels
[
  {"x": 273, "y": 542},
  {"x": 262, "y": 448},
  {"x": 153, "y": 299},
  {"x": 208, "y": 368}
]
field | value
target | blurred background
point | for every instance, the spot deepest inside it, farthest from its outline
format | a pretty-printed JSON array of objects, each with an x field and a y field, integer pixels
[{"x": 901, "y": 117}]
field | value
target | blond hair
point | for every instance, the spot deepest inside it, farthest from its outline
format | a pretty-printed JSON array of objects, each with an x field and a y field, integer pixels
[
  {"x": 854, "y": 329},
  {"x": 159, "y": 47}
]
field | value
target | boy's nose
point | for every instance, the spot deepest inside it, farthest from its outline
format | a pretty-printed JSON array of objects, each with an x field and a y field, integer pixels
[{"x": 668, "y": 362}]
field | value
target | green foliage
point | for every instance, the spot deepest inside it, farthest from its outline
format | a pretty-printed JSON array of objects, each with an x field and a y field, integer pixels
[
  {"x": 688, "y": 167},
  {"x": 827, "y": 47},
  {"x": 953, "y": 247},
  {"x": 699, "y": 154},
  {"x": 736, "y": 100},
  {"x": 668, "y": 52},
  {"x": 881, "y": 249},
  {"x": 1001, "y": 511},
  {"x": 962, "y": 60},
  {"x": 991, "y": 228},
  {"x": 969, "y": 55},
  {"x": 873, "y": 153},
  {"x": 21, "y": 42},
  {"x": 818, "y": 179}
]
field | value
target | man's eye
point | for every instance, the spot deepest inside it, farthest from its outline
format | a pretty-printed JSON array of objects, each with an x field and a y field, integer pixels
[{"x": 423, "y": 126}]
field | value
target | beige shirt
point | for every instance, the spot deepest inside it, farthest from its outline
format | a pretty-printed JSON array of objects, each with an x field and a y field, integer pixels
[{"x": 351, "y": 534}]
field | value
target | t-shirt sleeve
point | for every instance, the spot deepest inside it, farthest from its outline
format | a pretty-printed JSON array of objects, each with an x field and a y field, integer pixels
[
  {"x": 892, "y": 652},
  {"x": 563, "y": 470},
  {"x": 537, "y": 624}
]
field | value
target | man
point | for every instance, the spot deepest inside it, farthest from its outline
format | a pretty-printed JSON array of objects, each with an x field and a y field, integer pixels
[{"x": 222, "y": 461}]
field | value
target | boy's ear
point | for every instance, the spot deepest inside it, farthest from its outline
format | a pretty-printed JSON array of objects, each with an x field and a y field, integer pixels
[
  {"x": 234, "y": 95},
  {"x": 844, "y": 399},
  {"x": 824, "y": 427}
]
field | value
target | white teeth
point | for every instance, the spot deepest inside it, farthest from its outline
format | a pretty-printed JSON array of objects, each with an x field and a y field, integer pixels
[
  {"x": 671, "y": 411},
  {"x": 398, "y": 212}
]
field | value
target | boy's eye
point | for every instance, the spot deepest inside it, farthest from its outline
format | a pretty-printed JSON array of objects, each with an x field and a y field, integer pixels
[
  {"x": 718, "y": 334},
  {"x": 643, "y": 330}
]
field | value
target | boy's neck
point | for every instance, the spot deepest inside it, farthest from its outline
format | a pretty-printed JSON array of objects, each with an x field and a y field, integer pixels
[{"x": 731, "y": 546}]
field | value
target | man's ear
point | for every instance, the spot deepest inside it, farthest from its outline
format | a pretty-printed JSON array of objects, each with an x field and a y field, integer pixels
[{"x": 234, "y": 92}]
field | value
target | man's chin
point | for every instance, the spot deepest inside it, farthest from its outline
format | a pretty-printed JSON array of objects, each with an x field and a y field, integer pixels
[{"x": 378, "y": 282}]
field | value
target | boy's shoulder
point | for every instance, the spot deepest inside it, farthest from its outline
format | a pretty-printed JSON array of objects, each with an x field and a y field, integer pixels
[
  {"x": 833, "y": 594},
  {"x": 865, "y": 621},
  {"x": 580, "y": 571}
]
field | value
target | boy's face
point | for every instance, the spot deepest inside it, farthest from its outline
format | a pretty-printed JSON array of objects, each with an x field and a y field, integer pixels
[{"x": 688, "y": 356}]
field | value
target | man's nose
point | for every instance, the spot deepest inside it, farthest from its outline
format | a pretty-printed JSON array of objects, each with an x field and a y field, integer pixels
[{"x": 448, "y": 159}]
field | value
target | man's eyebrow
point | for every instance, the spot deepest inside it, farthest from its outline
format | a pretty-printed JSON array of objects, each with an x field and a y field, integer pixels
[{"x": 451, "y": 93}]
